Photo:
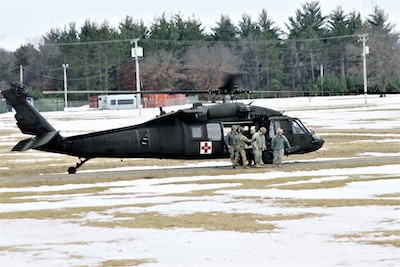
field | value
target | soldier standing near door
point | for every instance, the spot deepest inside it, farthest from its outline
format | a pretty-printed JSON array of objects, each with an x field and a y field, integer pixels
[
  {"x": 258, "y": 143},
  {"x": 240, "y": 143},
  {"x": 278, "y": 144},
  {"x": 230, "y": 142}
]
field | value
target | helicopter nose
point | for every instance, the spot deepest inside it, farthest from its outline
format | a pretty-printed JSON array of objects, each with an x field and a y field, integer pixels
[{"x": 317, "y": 141}]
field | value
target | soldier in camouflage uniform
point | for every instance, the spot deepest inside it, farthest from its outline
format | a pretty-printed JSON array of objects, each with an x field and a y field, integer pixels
[
  {"x": 259, "y": 145},
  {"x": 230, "y": 142},
  {"x": 240, "y": 141}
]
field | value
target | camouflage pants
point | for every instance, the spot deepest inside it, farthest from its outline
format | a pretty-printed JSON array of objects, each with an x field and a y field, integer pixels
[
  {"x": 240, "y": 153},
  {"x": 232, "y": 153},
  {"x": 257, "y": 156},
  {"x": 278, "y": 155}
]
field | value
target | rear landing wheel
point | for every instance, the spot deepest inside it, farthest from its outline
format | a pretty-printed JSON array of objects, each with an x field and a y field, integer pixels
[{"x": 72, "y": 170}]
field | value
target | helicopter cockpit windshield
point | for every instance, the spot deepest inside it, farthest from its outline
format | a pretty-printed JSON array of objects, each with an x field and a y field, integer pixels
[{"x": 298, "y": 127}]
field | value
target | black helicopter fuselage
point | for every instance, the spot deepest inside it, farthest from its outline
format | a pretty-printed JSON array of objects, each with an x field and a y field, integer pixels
[{"x": 193, "y": 133}]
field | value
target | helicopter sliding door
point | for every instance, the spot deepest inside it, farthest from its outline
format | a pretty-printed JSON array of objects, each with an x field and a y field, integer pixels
[
  {"x": 204, "y": 140},
  {"x": 283, "y": 123}
]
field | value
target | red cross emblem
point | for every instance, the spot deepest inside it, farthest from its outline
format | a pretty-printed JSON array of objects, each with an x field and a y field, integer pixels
[{"x": 205, "y": 147}]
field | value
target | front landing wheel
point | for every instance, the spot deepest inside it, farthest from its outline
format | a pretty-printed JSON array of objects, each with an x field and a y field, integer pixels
[{"x": 267, "y": 157}]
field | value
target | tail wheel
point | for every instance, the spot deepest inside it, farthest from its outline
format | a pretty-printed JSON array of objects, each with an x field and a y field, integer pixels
[{"x": 71, "y": 170}]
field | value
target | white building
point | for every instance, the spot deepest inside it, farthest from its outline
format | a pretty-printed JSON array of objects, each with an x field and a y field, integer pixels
[{"x": 124, "y": 101}]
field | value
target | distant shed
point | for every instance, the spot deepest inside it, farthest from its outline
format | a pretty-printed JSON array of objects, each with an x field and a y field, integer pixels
[{"x": 122, "y": 101}]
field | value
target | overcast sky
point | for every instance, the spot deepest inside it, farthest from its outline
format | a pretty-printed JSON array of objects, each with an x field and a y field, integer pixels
[{"x": 23, "y": 21}]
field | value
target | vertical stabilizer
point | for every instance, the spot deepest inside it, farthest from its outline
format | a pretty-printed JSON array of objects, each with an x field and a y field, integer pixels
[{"x": 28, "y": 118}]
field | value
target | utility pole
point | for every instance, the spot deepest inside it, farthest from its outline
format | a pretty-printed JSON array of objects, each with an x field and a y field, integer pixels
[
  {"x": 65, "y": 66},
  {"x": 322, "y": 78},
  {"x": 365, "y": 52},
  {"x": 21, "y": 74},
  {"x": 136, "y": 52}
]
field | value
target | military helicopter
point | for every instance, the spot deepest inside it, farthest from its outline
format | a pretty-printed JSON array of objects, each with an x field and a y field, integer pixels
[{"x": 192, "y": 133}]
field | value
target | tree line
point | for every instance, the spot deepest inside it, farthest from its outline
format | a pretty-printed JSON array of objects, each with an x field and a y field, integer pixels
[{"x": 180, "y": 55}]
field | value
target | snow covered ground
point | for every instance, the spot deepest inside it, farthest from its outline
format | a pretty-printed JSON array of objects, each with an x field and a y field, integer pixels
[{"x": 355, "y": 221}]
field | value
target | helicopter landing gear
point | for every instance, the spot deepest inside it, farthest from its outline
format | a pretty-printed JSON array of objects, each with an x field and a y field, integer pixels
[
  {"x": 72, "y": 170},
  {"x": 267, "y": 157}
]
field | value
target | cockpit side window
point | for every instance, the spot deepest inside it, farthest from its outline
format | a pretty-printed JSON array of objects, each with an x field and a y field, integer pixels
[
  {"x": 298, "y": 127},
  {"x": 214, "y": 131}
]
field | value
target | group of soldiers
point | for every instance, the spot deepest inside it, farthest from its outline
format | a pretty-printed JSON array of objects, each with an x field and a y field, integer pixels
[{"x": 241, "y": 147}]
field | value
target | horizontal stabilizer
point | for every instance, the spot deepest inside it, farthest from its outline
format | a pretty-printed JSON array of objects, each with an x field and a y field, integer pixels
[{"x": 36, "y": 141}]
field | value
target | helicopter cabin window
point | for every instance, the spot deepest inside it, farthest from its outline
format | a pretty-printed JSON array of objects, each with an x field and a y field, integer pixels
[
  {"x": 298, "y": 127},
  {"x": 113, "y": 102},
  {"x": 214, "y": 131},
  {"x": 196, "y": 132}
]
